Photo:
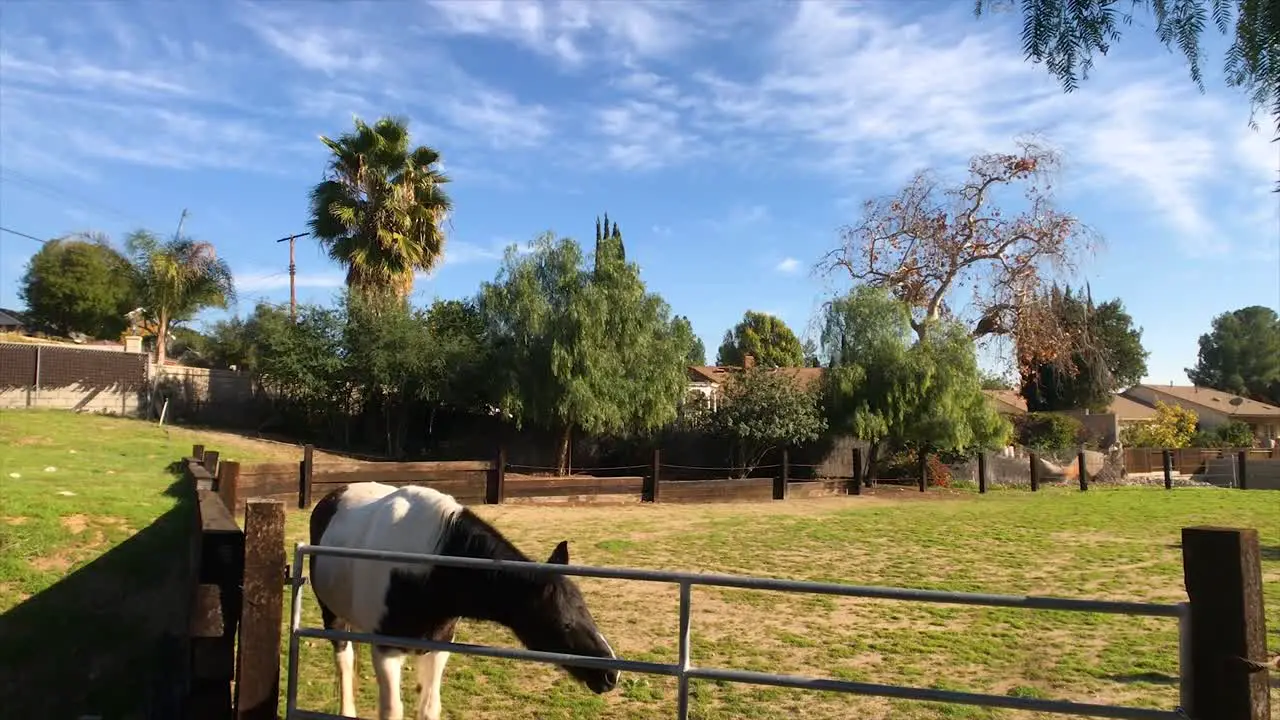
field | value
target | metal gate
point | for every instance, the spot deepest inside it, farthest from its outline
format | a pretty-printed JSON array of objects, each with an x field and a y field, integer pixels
[{"x": 684, "y": 670}]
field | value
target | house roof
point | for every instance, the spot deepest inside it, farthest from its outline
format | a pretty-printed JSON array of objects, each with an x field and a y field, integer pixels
[
  {"x": 1007, "y": 400},
  {"x": 1215, "y": 400},
  {"x": 9, "y": 320},
  {"x": 718, "y": 374},
  {"x": 1128, "y": 409}
]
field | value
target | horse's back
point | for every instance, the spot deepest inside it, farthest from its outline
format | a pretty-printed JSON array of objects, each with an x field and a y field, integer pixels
[{"x": 373, "y": 516}]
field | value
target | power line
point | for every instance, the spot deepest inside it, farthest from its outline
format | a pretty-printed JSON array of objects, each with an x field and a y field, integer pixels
[{"x": 22, "y": 234}]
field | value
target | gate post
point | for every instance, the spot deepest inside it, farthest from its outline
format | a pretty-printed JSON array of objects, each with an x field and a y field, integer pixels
[
  {"x": 1227, "y": 677},
  {"x": 258, "y": 658}
]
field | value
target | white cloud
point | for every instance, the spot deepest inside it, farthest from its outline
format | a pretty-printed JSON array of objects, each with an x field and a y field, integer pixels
[
  {"x": 641, "y": 135},
  {"x": 328, "y": 48},
  {"x": 500, "y": 117},
  {"x": 788, "y": 266}
]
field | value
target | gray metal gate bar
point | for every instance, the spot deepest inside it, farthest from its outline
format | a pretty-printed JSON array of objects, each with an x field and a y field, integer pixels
[{"x": 683, "y": 670}]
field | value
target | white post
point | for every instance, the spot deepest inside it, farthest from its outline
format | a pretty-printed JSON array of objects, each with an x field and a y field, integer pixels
[
  {"x": 682, "y": 692},
  {"x": 295, "y": 621}
]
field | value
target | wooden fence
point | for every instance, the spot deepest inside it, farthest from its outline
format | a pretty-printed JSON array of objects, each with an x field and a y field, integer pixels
[
  {"x": 231, "y": 653},
  {"x": 1188, "y": 461}
]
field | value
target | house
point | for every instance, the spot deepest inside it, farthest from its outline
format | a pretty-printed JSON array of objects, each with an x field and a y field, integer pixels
[
  {"x": 1213, "y": 407},
  {"x": 10, "y": 321},
  {"x": 707, "y": 380},
  {"x": 1008, "y": 403}
]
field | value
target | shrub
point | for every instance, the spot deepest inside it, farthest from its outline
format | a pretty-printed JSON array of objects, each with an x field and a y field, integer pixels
[
  {"x": 1173, "y": 427},
  {"x": 1234, "y": 434},
  {"x": 1049, "y": 430}
]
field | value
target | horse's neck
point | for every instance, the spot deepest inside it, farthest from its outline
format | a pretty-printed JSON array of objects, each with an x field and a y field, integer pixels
[{"x": 492, "y": 595}]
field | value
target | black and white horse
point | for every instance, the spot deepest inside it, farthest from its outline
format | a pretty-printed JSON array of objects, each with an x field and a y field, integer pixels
[{"x": 546, "y": 611}]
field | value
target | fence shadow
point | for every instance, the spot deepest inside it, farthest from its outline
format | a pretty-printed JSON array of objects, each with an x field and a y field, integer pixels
[
  {"x": 1150, "y": 678},
  {"x": 1271, "y": 552},
  {"x": 87, "y": 645}
]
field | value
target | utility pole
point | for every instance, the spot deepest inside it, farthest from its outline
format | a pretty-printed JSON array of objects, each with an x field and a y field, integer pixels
[{"x": 293, "y": 272}]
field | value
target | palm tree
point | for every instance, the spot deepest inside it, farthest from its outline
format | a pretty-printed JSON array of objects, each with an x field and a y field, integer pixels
[
  {"x": 380, "y": 208},
  {"x": 175, "y": 280}
]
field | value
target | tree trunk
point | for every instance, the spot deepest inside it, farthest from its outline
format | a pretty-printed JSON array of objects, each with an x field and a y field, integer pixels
[
  {"x": 873, "y": 453},
  {"x": 162, "y": 339},
  {"x": 566, "y": 448}
]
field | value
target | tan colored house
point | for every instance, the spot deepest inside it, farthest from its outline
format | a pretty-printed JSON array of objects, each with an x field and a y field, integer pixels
[
  {"x": 1007, "y": 402},
  {"x": 1213, "y": 407}
]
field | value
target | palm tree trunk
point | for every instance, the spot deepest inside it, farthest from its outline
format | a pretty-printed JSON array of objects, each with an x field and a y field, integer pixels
[{"x": 162, "y": 338}]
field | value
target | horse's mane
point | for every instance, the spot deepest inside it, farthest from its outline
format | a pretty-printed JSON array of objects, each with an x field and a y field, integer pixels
[{"x": 471, "y": 536}]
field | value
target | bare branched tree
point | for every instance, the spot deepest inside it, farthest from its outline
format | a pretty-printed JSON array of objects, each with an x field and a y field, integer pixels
[{"x": 929, "y": 242}]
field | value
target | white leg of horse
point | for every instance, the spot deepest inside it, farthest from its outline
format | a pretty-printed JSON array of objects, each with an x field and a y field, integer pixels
[
  {"x": 345, "y": 659},
  {"x": 387, "y": 664},
  {"x": 430, "y": 673}
]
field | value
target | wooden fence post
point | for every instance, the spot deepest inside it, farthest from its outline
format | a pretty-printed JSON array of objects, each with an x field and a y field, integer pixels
[
  {"x": 258, "y": 658},
  {"x": 924, "y": 469},
  {"x": 210, "y": 462},
  {"x": 1242, "y": 459},
  {"x": 197, "y": 453},
  {"x": 982, "y": 471},
  {"x": 496, "y": 491},
  {"x": 1167, "y": 459},
  {"x": 1222, "y": 568},
  {"x": 1084, "y": 476},
  {"x": 229, "y": 484},
  {"x": 780, "y": 482},
  {"x": 651, "y": 492},
  {"x": 216, "y": 615},
  {"x": 857, "y": 472},
  {"x": 306, "y": 473},
  {"x": 1035, "y": 472}
]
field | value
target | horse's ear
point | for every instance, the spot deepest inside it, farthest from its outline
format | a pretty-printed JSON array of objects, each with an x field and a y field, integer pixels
[{"x": 560, "y": 556}]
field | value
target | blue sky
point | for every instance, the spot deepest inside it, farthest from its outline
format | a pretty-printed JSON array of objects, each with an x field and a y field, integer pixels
[{"x": 731, "y": 141}]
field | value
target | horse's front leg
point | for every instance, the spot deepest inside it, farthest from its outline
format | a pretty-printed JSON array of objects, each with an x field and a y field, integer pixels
[
  {"x": 387, "y": 664},
  {"x": 430, "y": 673}
]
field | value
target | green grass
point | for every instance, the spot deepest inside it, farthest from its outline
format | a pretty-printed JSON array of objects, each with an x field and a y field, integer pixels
[
  {"x": 89, "y": 519},
  {"x": 1117, "y": 543}
]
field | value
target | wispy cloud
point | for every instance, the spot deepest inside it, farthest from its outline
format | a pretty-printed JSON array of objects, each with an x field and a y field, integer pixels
[
  {"x": 499, "y": 117},
  {"x": 788, "y": 266}
]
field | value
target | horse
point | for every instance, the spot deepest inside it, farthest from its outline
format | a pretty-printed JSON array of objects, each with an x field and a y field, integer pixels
[{"x": 545, "y": 611}]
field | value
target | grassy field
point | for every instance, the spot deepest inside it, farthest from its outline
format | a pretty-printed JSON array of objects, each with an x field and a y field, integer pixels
[
  {"x": 1116, "y": 543},
  {"x": 88, "y": 518},
  {"x": 87, "y": 513}
]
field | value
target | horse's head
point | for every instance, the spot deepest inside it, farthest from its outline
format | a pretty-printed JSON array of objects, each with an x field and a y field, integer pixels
[{"x": 561, "y": 623}]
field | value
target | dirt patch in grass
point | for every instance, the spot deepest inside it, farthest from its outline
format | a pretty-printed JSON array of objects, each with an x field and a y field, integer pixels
[
  {"x": 14, "y": 520},
  {"x": 29, "y": 440}
]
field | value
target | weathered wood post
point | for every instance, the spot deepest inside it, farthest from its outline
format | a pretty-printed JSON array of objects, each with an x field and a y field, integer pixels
[
  {"x": 982, "y": 471},
  {"x": 210, "y": 462},
  {"x": 306, "y": 474},
  {"x": 780, "y": 482},
  {"x": 1227, "y": 677},
  {"x": 1035, "y": 472},
  {"x": 197, "y": 453},
  {"x": 651, "y": 492},
  {"x": 1167, "y": 459},
  {"x": 258, "y": 659},
  {"x": 229, "y": 484},
  {"x": 216, "y": 615},
  {"x": 1084, "y": 475},
  {"x": 1242, "y": 460},
  {"x": 857, "y": 472},
  {"x": 923, "y": 469},
  {"x": 496, "y": 489}
]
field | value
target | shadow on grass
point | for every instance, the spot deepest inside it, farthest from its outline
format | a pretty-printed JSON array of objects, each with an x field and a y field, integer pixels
[
  {"x": 1150, "y": 678},
  {"x": 88, "y": 644},
  {"x": 1271, "y": 552}
]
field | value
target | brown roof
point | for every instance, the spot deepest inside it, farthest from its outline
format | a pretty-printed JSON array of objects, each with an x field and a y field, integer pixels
[
  {"x": 1216, "y": 399},
  {"x": 1128, "y": 409},
  {"x": 1011, "y": 400},
  {"x": 720, "y": 373}
]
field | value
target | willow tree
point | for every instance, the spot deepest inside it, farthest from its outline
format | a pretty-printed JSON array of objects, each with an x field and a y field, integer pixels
[
  {"x": 176, "y": 279},
  {"x": 892, "y": 389},
  {"x": 581, "y": 346},
  {"x": 930, "y": 242},
  {"x": 380, "y": 209}
]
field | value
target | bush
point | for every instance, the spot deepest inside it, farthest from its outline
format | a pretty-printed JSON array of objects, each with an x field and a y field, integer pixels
[
  {"x": 1234, "y": 434},
  {"x": 1049, "y": 431},
  {"x": 905, "y": 465}
]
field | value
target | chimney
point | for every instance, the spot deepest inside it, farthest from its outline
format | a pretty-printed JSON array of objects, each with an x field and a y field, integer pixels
[
  {"x": 748, "y": 361},
  {"x": 133, "y": 343}
]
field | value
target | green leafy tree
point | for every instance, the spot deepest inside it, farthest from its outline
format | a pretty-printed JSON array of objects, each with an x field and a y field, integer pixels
[
  {"x": 175, "y": 280},
  {"x": 697, "y": 354},
  {"x": 380, "y": 209},
  {"x": 461, "y": 356},
  {"x": 581, "y": 348},
  {"x": 763, "y": 336},
  {"x": 762, "y": 409},
  {"x": 1107, "y": 355},
  {"x": 303, "y": 363},
  {"x": 1241, "y": 354},
  {"x": 1234, "y": 434},
  {"x": 995, "y": 381},
  {"x": 1064, "y": 35},
  {"x": 1173, "y": 427},
  {"x": 1049, "y": 431},
  {"x": 79, "y": 284},
  {"x": 887, "y": 387}
]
